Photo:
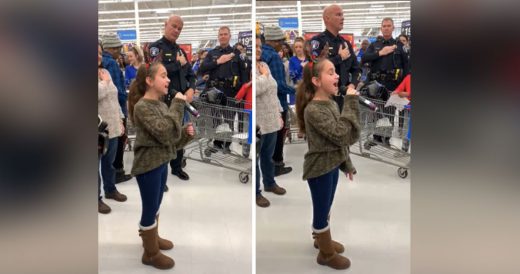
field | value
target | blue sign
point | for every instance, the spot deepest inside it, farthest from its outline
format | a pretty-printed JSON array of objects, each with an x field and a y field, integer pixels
[
  {"x": 127, "y": 34},
  {"x": 288, "y": 23},
  {"x": 405, "y": 24}
]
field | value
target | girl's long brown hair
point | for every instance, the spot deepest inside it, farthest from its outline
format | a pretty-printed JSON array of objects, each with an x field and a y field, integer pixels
[
  {"x": 306, "y": 89},
  {"x": 139, "y": 86}
]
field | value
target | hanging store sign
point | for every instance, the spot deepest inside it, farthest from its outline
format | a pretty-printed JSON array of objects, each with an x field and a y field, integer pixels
[{"x": 129, "y": 34}]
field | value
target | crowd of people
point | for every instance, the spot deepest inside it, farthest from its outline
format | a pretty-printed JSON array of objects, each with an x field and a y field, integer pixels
[{"x": 322, "y": 78}]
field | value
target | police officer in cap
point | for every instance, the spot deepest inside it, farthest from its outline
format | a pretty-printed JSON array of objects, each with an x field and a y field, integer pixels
[
  {"x": 388, "y": 63},
  {"x": 339, "y": 51},
  {"x": 182, "y": 78},
  {"x": 227, "y": 70}
]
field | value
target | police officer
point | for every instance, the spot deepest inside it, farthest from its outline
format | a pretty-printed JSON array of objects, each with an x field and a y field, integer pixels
[
  {"x": 339, "y": 51},
  {"x": 182, "y": 78},
  {"x": 243, "y": 56},
  {"x": 387, "y": 58},
  {"x": 227, "y": 71},
  {"x": 388, "y": 64}
]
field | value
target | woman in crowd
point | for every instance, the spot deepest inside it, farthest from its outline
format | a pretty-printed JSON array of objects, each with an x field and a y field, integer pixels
[
  {"x": 269, "y": 120},
  {"x": 110, "y": 112}
]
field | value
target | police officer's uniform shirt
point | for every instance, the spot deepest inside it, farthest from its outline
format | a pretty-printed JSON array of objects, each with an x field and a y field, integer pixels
[
  {"x": 225, "y": 73},
  {"x": 181, "y": 78},
  {"x": 385, "y": 64},
  {"x": 343, "y": 67}
]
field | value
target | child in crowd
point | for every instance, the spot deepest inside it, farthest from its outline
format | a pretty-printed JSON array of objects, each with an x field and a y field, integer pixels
[
  {"x": 405, "y": 90},
  {"x": 329, "y": 134},
  {"x": 245, "y": 93},
  {"x": 135, "y": 58},
  {"x": 159, "y": 136},
  {"x": 296, "y": 64}
]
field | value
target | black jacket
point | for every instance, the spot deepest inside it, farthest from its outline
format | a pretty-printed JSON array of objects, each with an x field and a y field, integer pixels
[
  {"x": 348, "y": 69},
  {"x": 234, "y": 73},
  {"x": 383, "y": 64},
  {"x": 182, "y": 78}
]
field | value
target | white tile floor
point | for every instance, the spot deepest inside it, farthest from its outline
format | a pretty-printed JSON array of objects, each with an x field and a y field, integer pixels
[
  {"x": 371, "y": 216},
  {"x": 208, "y": 219}
]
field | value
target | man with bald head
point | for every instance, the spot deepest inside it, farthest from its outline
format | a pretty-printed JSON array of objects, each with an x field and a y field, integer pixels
[
  {"x": 329, "y": 44},
  {"x": 182, "y": 78}
]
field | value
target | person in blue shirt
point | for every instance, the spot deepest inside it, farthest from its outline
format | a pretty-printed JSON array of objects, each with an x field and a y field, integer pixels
[
  {"x": 274, "y": 39},
  {"x": 111, "y": 52},
  {"x": 135, "y": 58},
  {"x": 196, "y": 65},
  {"x": 364, "y": 46},
  {"x": 298, "y": 61}
]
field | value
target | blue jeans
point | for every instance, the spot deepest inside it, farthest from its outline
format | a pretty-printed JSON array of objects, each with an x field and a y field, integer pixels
[
  {"x": 267, "y": 146},
  {"x": 107, "y": 170},
  {"x": 151, "y": 186},
  {"x": 322, "y": 189}
]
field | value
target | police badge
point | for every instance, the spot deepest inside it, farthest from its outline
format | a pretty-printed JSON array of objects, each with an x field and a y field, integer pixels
[
  {"x": 154, "y": 52},
  {"x": 315, "y": 44}
]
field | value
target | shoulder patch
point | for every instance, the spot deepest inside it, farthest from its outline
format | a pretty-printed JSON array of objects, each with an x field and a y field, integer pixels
[
  {"x": 154, "y": 51},
  {"x": 315, "y": 44}
]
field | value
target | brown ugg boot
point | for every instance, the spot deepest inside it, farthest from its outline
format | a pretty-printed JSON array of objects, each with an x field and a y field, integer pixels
[
  {"x": 327, "y": 255},
  {"x": 152, "y": 255},
  {"x": 163, "y": 243},
  {"x": 337, "y": 246}
]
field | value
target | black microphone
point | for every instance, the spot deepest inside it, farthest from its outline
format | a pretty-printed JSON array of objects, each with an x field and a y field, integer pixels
[{"x": 362, "y": 100}]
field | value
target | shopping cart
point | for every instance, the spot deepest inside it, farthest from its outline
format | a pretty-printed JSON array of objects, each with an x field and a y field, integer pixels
[
  {"x": 226, "y": 120},
  {"x": 131, "y": 133},
  {"x": 383, "y": 135},
  {"x": 293, "y": 135}
]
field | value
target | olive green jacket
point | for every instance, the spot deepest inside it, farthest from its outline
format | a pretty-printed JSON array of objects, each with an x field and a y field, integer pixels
[{"x": 329, "y": 134}]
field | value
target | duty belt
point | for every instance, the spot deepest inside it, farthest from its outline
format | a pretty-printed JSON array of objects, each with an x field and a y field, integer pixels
[
  {"x": 223, "y": 84},
  {"x": 392, "y": 75}
]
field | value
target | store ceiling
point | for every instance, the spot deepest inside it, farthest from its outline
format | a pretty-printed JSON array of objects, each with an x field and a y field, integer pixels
[
  {"x": 202, "y": 18},
  {"x": 361, "y": 17}
]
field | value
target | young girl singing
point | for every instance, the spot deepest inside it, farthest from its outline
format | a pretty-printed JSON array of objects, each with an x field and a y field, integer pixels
[
  {"x": 159, "y": 136},
  {"x": 329, "y": 134}
]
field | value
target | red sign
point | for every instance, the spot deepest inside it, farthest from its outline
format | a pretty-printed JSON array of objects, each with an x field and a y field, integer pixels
[
  {"x": 347, "y": 36},
  {"x": 187, "y": 49}
]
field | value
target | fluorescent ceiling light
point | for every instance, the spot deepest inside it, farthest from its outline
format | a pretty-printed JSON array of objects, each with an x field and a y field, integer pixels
[
  {"x": 115, "y": 1},
  {"x": 187, "y": 24},
  {"x": 166, "y": 17},
  {"x": 168, "y": 10},
  {"x": 318, "y": 13},
  {"x": 326, "y": 4},
  {"x": 162, "y": 11}
]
